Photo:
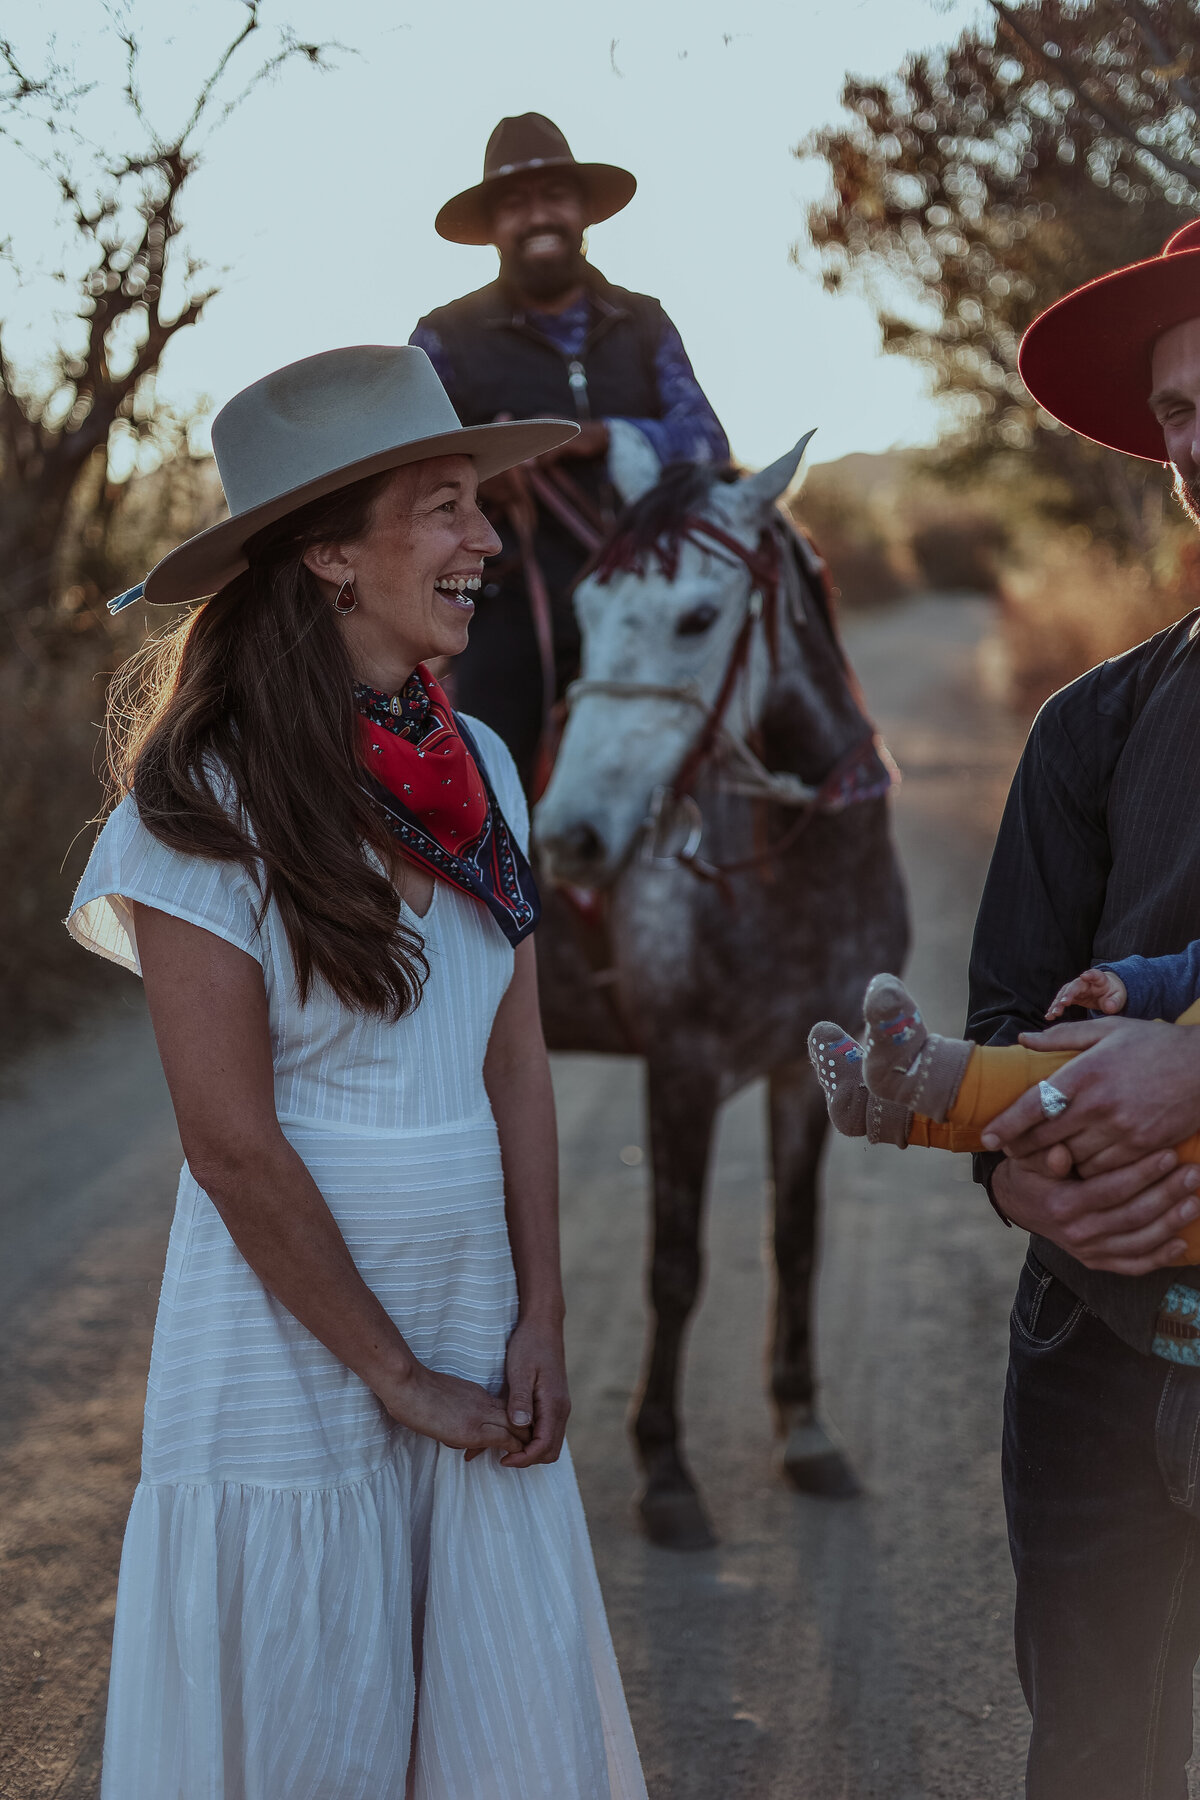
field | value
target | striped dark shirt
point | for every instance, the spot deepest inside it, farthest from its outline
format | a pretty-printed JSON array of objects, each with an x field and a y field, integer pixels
[{"x": 1098, "y": 857}]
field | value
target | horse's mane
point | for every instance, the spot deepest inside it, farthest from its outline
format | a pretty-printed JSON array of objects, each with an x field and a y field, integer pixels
[{"x": 655, "y": 524}]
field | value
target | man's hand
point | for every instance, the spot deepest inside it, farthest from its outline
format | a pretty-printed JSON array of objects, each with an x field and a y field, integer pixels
[
  {"x": 1127, "y": 1221},
  {"x": 506, "y": 488},
  {"x": 500, "y": 490},
  {"x": 592, "y": 440},
  {"x": 1135, "y": 1088}
]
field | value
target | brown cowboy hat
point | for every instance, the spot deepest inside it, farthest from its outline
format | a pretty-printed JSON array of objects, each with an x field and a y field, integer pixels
[
  {"x": 1086, "y": 360},
  {"x": 518, "y": 145}
]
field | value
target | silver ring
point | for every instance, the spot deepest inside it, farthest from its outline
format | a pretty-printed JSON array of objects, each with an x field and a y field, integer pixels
[{"x": 1053, "y": 1100}]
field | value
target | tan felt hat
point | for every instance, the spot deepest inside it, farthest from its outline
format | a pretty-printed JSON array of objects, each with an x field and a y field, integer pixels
[{"x": 318, "y": 425}]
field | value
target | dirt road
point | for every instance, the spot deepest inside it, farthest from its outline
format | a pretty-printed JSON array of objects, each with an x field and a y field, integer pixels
[{"x": 826, "y": 1651}]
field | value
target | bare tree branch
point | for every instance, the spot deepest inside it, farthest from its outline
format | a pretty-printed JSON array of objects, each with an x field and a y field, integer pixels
[
  {"x": 223, "y": 62},
  {"x": 1166, "y": 59},
  {"x": 133, "y": 92},
  {"x": 47, "y": 88},
  {"x": 123, "y": 214}
]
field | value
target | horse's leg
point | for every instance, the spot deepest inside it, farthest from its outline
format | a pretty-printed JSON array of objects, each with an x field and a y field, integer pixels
[
  {"x": 682, "y": 1105},
  {"x": 812, "y": 1461}
]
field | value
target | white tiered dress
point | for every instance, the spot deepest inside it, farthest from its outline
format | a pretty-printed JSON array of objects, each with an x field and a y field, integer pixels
[{"x": 305, "y": 1583}]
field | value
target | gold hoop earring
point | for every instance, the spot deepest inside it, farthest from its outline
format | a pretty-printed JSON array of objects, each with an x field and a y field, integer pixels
[{"x": 342, "y": 606}]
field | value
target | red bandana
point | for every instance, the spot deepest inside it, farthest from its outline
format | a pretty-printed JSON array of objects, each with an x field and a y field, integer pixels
[
  {"x": 423, "y": 770},
  {"x": 435, "y": 779}
]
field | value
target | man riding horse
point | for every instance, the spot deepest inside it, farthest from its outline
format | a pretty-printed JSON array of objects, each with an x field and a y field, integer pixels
[{"x": 551, "y": 337}]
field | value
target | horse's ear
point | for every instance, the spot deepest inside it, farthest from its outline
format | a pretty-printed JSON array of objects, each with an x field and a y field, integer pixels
[
  {"x": 757, "y": 494},
  {"x": 633, "y": 467}
]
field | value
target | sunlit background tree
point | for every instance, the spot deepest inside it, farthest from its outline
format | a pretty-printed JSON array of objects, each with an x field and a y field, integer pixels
[{"x": 970, "y": 190}]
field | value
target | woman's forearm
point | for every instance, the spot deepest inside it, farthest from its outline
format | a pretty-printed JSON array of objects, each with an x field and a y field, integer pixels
[
  {"x": 523, "y": 1104},
  {"x": 516, "y": 1073},
  {"x": 278, "y": 1218}
]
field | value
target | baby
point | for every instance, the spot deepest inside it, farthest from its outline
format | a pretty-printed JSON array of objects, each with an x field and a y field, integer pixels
[{"x": 906, "y": 1085}]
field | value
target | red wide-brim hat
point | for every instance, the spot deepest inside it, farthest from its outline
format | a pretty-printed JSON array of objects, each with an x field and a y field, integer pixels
[{"x": 1086, "y": 360}]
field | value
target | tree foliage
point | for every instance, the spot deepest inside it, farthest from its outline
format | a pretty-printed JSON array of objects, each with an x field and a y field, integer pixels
[
  {"x": 128, "y": 288},
  {"x": 976, "y": 186}
]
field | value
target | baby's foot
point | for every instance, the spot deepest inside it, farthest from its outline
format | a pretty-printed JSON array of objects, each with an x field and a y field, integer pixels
[
  {"x": 838, "y": 1061},
  {"x": 905, "y": 1062}
]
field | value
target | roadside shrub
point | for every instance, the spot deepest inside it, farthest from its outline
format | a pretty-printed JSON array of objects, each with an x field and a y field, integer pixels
[
  {"x": 1077, "y": 605},
  {"x": 49, "y": 714},
  {"x": 959, "y": 552},
  {"x": 54, "y": 667},
  {"x": 849, "y": 518}
]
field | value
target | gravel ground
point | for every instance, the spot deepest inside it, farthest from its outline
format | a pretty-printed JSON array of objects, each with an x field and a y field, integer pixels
[{"x": 835, "y": 1651}]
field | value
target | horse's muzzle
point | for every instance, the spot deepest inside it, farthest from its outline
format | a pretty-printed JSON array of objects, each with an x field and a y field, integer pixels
[{"x": 576, "y": 854}]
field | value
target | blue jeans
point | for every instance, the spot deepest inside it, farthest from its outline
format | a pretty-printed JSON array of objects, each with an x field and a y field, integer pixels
[{"x": 1101, "y": 1466}]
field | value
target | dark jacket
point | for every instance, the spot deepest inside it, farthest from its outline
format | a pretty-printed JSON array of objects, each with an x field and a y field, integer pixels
[
  {"x": 502, "y": 364},
  {"x": 1098, "y": 858}
]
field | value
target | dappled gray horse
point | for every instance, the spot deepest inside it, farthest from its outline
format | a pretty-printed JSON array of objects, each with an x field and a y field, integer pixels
[{"x": 721, "y": 785}]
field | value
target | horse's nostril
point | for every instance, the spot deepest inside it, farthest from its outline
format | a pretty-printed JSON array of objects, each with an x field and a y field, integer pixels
[
  {"x": 582, "y": 844},
  {"x": 574, "y": 849}
]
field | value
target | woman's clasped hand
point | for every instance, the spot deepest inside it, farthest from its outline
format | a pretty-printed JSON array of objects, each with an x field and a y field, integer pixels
[
  {"x": 526, "y": 1424},
  {"x": 538, "y": 1401},
  {"x": 460, "y": 1414}
]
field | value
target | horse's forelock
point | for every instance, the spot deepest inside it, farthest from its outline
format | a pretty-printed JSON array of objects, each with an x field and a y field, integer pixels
[{"x": 655, "y": 523}]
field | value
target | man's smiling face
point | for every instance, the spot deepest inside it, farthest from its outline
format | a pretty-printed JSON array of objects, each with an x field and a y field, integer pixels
[
  {"x": 1175, "y": 403},
  {"x": 537, "y": 221}
]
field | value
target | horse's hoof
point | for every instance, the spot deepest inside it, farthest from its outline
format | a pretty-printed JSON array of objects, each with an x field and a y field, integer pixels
[
  {"x": 675, "y": 1520},
  {"x": 813, "y": 1464}
]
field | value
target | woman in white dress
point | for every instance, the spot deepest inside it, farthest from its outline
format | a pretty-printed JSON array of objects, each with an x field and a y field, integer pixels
[{"x": 356, "y": 1566}]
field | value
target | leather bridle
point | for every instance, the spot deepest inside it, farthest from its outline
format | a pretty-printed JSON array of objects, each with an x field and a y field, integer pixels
[
  {"x": 740, "y": 771},
  {"x": 553, "y": 489}
]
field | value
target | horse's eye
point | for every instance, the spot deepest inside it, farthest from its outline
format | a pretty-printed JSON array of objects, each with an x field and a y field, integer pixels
[{"x": 697, "y": 621}]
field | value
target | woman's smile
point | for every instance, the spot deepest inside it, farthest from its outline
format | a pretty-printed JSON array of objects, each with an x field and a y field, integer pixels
[{"x": 456, "y": 590}]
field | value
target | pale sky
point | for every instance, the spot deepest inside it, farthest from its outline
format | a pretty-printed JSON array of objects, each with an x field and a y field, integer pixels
[{"x": 317, "y": 199}]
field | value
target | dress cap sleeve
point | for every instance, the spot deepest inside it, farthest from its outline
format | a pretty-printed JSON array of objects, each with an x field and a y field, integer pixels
[
  {"x": 128, "y": 864},
  {"x": 502, "y": 773}
]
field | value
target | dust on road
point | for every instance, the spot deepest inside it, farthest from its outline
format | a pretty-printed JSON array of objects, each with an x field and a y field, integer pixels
[{"x": 830, "y": 1651}]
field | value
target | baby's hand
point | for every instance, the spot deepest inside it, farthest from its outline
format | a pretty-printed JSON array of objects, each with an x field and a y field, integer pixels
[{"x": 1097, "y": 989}]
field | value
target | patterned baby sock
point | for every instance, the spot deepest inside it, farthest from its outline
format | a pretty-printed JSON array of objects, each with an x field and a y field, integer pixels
[
  {"x": 838, "y": 1061},
  {"x": 905, "y": 1062}
]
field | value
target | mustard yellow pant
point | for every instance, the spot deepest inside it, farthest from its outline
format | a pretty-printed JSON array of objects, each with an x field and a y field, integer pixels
[{"x": 995, "y": 1076}]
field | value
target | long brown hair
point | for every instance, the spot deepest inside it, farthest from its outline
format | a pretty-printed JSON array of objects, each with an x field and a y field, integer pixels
[{"x": 235, "y": 731}]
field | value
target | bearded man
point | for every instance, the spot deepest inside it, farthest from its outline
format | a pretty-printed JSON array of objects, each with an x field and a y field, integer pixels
[
  {"x": 1098, "y": 857},
  {"x": 551, "y": 337}
]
